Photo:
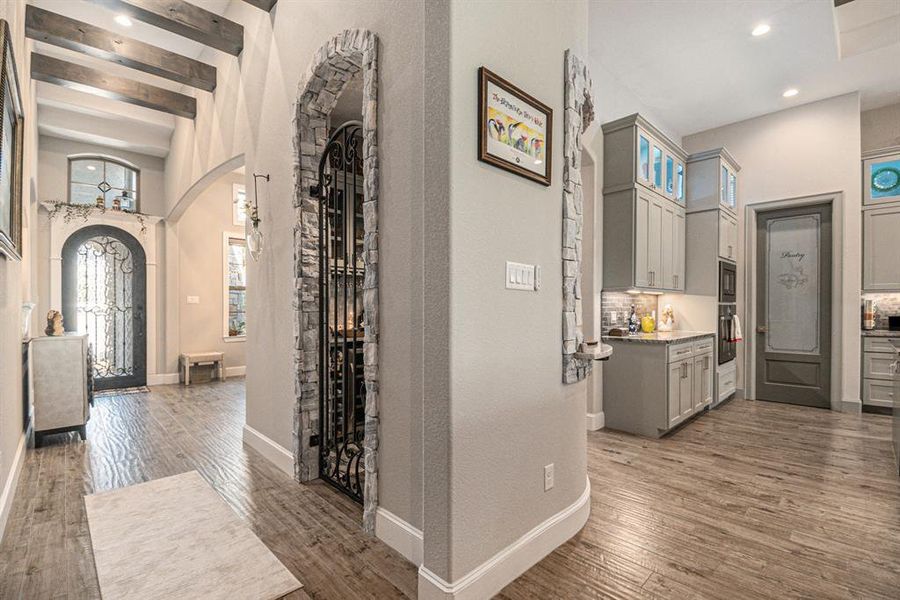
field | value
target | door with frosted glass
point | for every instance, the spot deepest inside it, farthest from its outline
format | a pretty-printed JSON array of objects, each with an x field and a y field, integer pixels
[{"x": 793, "y": 337}]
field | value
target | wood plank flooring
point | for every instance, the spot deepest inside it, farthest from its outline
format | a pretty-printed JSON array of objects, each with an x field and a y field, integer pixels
[{"x": 753, "y": 500}]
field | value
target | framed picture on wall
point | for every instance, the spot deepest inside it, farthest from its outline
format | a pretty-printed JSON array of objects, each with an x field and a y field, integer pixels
[
  {"x": 11, "y": 138},
  {"x": 881, "y": 176},
  {"x": 515, "y": 130}
]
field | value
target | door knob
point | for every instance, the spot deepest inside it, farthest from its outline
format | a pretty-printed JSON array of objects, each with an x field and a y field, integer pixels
[{"x": 762, "y": 329}]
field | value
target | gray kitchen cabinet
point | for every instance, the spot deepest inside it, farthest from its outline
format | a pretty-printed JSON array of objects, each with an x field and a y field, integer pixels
[
  {"x": 712, "y": 180},
  {"x": 878, "y": 370},
  {"x": 728, "y": 233},
  {"x": 643, "y": 222},
  {"x": 662, "y": 386},
  {"x": 881, "y": 249}
]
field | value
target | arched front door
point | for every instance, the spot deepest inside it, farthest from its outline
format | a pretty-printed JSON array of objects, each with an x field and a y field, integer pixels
[{"x": 104, "y": 295}]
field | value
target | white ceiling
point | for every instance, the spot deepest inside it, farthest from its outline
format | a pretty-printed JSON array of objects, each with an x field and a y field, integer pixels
[
  {"x": 78, "y": 115},
  {"x": 696, "y": 66}
]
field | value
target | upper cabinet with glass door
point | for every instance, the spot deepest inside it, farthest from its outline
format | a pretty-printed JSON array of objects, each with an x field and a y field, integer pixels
[
  {"x": 712, "y": 181},
  {"x": 881, "y": 177},
  {"x": 636, "y": 152}
]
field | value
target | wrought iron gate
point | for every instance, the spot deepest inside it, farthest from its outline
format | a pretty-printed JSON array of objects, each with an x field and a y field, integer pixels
[
  {"x": 103, "y": 296},
  {"x": 342, "y": 387}
]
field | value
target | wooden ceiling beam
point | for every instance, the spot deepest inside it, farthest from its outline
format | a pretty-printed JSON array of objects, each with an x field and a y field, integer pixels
[
  {"x": 266, "y": 5},
  {"x": 93, "y": 81},
  {"x": 184, "y": 19},
  {"x": 45, "y": 26}
]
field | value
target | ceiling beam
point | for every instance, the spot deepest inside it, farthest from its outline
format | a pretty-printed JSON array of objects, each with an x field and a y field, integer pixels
[
  {"x": 184, "y": 19},
  {"x": 85, "y": 79},
  {"x": 45, "y": 26},
  {"x": 266, "y": 5}
]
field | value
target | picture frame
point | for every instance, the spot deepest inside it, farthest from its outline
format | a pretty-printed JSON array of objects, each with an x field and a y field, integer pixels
[
  {"x": 515, "y": 130},
  {"x": 881, "y": 177},
  {"x": 11, "y": 150}
]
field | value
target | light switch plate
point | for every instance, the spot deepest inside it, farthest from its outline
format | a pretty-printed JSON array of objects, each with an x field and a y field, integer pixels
[
  {"x": 520, "y": 276},
  {"x": 548, "y": 477},
  {"x": 193, "y": 299}
]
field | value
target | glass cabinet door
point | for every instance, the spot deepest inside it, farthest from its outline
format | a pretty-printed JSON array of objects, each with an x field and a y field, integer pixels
[
  {"x": 723, "y": 186},
  {"x": 643, "y": 157},
  {"x": 670, "y": 176},
  {"x": 881, "y": 179},
  {"x": 732, "y": 190},
  {"x": 657, "y": 167},
  {"x": 679, "y": 182}
]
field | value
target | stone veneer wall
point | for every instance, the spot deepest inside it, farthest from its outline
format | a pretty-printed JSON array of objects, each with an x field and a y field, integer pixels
[
  {"x": 579, "y": 113},
  {"x": 885, "y": 305},
  {"x": 333, "y": 65}
]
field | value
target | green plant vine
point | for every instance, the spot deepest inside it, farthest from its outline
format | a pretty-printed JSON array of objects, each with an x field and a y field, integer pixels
[{"x": 70, "y": 212}]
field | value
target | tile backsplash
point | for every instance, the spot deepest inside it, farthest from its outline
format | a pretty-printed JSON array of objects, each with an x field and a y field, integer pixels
[
  {"x": 885, "y": 305},
  {"x": 620, "y": 303}
]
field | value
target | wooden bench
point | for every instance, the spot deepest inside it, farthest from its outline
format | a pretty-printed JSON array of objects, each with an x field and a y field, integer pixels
[{"x": 188, "y": 359}]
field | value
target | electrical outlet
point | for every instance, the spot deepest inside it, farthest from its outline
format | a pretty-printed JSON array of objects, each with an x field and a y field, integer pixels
[
  {"x": 548, "y": 477},
  {"x": 193, "y": 299}
]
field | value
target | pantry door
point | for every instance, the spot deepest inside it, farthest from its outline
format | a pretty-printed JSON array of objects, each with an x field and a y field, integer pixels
[{"x": 793, "y": 334}]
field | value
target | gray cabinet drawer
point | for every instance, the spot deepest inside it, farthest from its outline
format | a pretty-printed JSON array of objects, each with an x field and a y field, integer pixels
[
  {"x": 680, "y": 351},
  {"x": 878, "y": 366},
  {"x": 879, "y": 344},
  {"x": 878, "y": 393},
  {"x": 704, "y": 345}
]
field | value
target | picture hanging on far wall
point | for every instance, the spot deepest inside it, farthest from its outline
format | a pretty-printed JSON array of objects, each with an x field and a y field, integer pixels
[
  {"x": 515, "y": 131},
  {"x": 10, "y": 150},
  {"x": 881, "y": 178}
]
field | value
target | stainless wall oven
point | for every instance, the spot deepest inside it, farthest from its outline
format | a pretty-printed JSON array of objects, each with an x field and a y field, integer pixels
[
  {"x": 727, "y": 345},
  {"x": 727, "y": 282}
]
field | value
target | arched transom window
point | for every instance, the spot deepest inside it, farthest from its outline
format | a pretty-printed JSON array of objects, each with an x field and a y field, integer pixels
[{"x": 103, "y": 181}]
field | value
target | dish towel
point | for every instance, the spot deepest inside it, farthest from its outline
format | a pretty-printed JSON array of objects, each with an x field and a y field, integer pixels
[{"x": 737, "y": 335}]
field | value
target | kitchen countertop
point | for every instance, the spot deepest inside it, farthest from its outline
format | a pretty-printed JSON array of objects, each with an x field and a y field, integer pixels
[
  {"x": 660, "y": 337},
  {"x": 880, "y": 333}
]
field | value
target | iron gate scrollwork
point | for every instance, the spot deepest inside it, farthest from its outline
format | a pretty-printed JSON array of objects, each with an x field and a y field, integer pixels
[
  {"x": 103, "y": 296},
  {"x": 342, "y": 388}
]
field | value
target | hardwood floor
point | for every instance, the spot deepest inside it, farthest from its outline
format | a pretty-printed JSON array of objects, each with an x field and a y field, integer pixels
[
  {"x": 312, "y": 529},
  {"x": 753, "y": 500}
]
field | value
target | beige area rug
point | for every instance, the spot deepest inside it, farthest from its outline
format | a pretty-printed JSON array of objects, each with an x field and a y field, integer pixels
[{"x": 176, "y": 538}]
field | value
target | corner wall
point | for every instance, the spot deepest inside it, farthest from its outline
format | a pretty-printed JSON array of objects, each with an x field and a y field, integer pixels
[
  {"x": 804, "y": 151},
  {"x": 505, "y": 412}
]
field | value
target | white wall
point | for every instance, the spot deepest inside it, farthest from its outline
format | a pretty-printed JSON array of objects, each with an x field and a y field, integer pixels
[
  {"x": 506, "y": 413},
  {"x": 250, "y": 113},
  {"x": 17, "y": 278},
  {"x": 53, "y": 166},
  {"x": 880, "y": 127},
  {"x": 808, "y": 150},
  {"x": 201, "y": 272}
]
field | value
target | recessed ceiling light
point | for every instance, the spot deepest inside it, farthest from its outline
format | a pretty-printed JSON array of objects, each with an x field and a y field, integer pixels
[
  {"x": 761, "y": 29},
  {"x": 789, "y": 93},
  {"x": 123, "y": 20}
]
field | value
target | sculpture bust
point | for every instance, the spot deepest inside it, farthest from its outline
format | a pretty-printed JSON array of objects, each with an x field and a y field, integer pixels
[{"x": 54, "y": 323}]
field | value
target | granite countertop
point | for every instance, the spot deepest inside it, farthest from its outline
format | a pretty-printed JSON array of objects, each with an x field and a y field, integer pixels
[
  {"x": 880, "y": 333},
  {"x": 660, "y": 337}
]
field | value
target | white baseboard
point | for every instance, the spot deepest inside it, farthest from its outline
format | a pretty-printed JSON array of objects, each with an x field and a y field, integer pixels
[
  {"x": 162, "y": 378},
  {"x": 852, "y": 406},
  {"x": 399, "y": 535},
  {"x": 492, "y": 576},
  {"x": 172, "y": 378},
  {"x": 9, "y": 486},
  {"x": 596, "y": 421},
  {"x": 271, "y": 451}
]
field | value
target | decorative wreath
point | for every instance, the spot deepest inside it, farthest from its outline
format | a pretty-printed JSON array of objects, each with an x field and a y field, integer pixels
[{"x": 885, "y": 171}]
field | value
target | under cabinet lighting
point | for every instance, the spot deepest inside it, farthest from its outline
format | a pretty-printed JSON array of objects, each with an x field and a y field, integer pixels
[
  {"x": 790, "y": 93},
  {"x": 123, "y": 20},
  {"x": 761, "y": 29}
]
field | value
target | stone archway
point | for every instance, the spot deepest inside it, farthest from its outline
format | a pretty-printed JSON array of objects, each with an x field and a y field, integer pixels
[{"x": 333, "y": 66}]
